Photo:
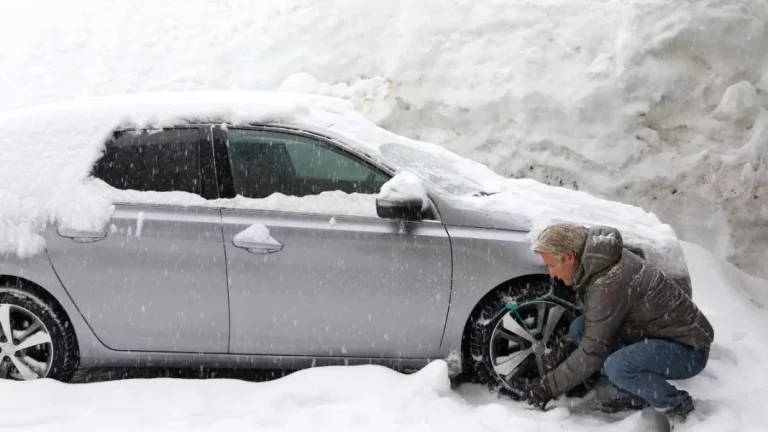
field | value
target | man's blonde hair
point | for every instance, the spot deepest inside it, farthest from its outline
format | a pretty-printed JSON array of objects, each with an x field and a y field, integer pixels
[{"x": 558, "y": 239}]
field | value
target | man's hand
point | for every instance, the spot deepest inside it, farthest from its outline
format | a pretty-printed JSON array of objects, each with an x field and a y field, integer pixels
[{"x": 536, "y": 392}]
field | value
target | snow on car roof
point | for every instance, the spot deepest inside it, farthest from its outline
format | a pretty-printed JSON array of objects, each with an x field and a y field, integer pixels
[{"x": 48, "y": 152}]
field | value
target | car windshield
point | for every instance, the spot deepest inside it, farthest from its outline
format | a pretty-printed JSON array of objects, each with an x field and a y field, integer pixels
[{"x": 437, "y": 169}]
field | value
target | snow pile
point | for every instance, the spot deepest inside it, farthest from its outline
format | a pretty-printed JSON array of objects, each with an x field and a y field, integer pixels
[
  {"x": 649, "y": 103},
  {"x": 47, "y": 176},
  {"x": 729, "y": 394},
  {"x": 740, "y": 105}
]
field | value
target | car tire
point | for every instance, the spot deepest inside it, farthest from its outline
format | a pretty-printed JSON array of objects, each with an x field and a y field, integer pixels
[
  {"x": 60, "y": 354},
  {"x": 488, "y": 315}
]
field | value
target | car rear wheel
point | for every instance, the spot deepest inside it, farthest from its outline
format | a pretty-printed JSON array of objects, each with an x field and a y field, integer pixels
[
  {"x": 36, "y": 338},
  {"x": 514, "y": 329}
]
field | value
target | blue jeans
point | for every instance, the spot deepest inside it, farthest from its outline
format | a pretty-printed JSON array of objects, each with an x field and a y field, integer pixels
[{"x": 643, "y": 368}]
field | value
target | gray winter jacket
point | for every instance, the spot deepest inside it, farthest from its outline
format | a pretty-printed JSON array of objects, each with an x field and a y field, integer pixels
[{"x": 624, "y": 298}]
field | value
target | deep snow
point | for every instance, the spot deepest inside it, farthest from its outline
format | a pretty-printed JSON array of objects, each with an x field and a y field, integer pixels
[
  {"x": 653, "y": 103},
  {"x": 730, "y": 395}
]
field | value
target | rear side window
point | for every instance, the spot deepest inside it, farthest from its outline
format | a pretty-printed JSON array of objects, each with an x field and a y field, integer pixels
[{"x": 161, "y": 161}]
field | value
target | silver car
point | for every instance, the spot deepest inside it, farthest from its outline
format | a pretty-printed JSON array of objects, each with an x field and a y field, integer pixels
[{"x": 177, "y": 286}]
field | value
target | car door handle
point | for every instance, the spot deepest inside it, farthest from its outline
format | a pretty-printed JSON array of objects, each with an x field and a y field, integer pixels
[
  {"x": 258, "y": 247},
  {"x": 81, "y": 236}
]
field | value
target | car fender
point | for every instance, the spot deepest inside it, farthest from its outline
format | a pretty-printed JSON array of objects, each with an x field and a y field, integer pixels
[
  {"x": 483, "y": 259},
  {"x": 38, "y": 270}
]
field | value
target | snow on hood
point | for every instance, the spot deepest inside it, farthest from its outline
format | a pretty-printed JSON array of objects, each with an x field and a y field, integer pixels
[
  {"x": 48, "y": 151},
  {"x": 537, "y": 206}
]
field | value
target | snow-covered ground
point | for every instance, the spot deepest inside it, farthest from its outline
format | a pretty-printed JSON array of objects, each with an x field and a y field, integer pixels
[
  {"x": 653, "y": 103},
  {"x": 731, "y": 394}
]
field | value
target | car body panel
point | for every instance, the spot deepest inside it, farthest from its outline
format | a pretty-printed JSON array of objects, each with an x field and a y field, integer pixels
[
  {"x": 354, "y": 286},
  {"x": 101, "y": 357},
  {"x": 457, "y": 216},
  {"x": 155, "y": 282},
  {"x": 482, "y": 260}
]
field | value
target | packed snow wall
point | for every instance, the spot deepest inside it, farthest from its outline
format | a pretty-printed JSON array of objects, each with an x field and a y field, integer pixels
[{"x": 661, "y": 104}]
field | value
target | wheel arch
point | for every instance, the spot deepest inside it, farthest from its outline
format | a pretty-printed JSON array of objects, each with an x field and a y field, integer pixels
[
  {"x": 476, "y": 309},
  {"x": 24, "y": 284}
]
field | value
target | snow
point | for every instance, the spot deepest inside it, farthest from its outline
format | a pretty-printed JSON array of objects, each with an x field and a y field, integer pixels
[
  {"x": 544, "y": 205},
  {"x": 661, "y": 105},
  {"x": 332, "y": 202},
  {"x": 47, "y": 176},
  {"x": 405, "y": 185},
  {"x": 616, "y": 98},
  {"x": 139, "y": 223},
  {"x": 729, "y": 395},
  {"x": 740, "y": 104},
  {"x": 256, "y": 233},
  {"x": 48, "y": 152},
  {"x": 335, "y": 202}
]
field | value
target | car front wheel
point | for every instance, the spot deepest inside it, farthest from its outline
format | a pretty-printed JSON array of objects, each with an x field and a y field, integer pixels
[
  {"x": 36, "y": 339},
  {"x": 514, "y": 329}
]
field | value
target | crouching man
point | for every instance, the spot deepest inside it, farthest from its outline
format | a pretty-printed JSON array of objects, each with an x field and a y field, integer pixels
[{"x": 638, "y": 326}]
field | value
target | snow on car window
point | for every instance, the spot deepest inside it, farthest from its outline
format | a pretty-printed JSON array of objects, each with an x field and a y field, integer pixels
[{"x": 434, "y": 168}]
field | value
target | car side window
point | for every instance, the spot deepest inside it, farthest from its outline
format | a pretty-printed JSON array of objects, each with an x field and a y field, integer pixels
[
  {"x": 268, "y": 162},
  {"x": 162, "y": 161}
]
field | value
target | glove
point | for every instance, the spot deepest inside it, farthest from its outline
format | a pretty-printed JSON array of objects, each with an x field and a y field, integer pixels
[
  {"x": 537, "y": 394},
  {"x": 560, "y": 352}
]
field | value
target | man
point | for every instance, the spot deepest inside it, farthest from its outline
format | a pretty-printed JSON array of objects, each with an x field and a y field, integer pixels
[{"x": 637, "y": 324}]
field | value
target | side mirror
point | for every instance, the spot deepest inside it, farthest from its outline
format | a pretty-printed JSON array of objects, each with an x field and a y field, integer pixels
[{"x": 403, "y": 209}]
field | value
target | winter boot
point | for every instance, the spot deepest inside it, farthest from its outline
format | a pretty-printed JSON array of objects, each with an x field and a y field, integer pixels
[
  {"x": 621, "y": 401},
  {"x": 680, "y": 413}
]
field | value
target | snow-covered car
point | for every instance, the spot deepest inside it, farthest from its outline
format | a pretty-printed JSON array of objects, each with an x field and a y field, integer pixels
[{"x": 272, "y": 230}]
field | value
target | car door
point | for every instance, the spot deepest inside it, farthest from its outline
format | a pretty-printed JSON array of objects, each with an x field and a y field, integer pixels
[
  {"x": 312, "y": 270},
  {"x": 155, "y": 278}
]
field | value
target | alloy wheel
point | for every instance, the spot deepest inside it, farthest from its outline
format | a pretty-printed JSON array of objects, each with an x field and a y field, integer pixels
[
  {"x": 26, "y": 349},
  {"x": 524, "y": 336}
]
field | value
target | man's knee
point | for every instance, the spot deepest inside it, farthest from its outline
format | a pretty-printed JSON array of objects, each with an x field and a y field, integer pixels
[
  {"x": 621, "y": 365},
  {"x": 614, "y": 367},
  {"x": 576, "y": 330}
]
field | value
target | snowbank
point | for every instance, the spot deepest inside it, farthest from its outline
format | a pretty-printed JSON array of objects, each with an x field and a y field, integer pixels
[
  {"x": 624, "y": 99},
  {"x": 729, "y": 395}
]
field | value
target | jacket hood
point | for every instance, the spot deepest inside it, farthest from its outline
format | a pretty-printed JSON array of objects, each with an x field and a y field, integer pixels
[{"x": 602, "y": 249}]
